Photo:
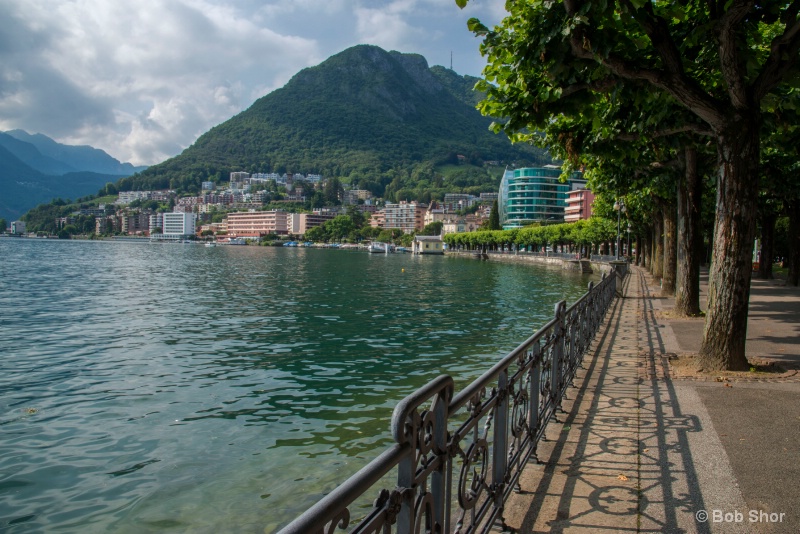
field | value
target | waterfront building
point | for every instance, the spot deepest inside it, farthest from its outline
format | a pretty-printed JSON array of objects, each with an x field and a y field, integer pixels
[
  {"x": 579, "y": 202},
  {"x": 136, "y": 223},
  {"x": 532, "y": 195},
  {"x": 178, "y": 225},
  {"x": 18, "y": 227},
  {"x": 428, "y": 244},
  {"x": 378, "y": 219},
  {"x": 300, "y": 223},
  {"x": 104, "y": 225},
  {"x": 406, "y": 216},
  {"x": 258, "y": 223},
  {"x": 156, "y": 223}
]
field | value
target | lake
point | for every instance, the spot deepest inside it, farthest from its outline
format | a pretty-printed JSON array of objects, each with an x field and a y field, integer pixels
[{"x": 175, "y": 388}]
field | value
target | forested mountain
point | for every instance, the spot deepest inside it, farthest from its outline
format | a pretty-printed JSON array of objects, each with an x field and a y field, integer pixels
[{"x": 384, "y": 121}]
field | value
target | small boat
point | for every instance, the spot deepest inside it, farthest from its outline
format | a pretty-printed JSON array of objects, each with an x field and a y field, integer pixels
[{"x": 211, "y": 244}]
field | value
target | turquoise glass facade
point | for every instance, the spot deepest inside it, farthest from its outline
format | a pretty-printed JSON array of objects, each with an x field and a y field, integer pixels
[{"x": 532, "y": 194}]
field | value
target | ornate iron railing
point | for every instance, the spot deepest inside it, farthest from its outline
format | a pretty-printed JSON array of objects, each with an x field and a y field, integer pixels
[{"x": 459, "y": 456}]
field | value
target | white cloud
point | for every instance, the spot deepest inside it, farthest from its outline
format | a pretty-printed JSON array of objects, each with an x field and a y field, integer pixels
[{"x": 143, "y": 80}]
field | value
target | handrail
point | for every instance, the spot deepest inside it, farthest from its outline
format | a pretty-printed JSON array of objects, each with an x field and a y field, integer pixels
[{"x": 458, "y": 457}]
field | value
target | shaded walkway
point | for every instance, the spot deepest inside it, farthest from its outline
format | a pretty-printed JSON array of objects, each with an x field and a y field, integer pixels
[{"x": 634, "y": 451}]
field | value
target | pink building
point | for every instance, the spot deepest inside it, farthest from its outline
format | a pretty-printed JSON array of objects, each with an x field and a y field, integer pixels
[{"x": 579, "y": 205}]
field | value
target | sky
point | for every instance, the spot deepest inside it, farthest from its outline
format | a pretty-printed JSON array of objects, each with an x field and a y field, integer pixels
[{"x": 144, "y": 79}]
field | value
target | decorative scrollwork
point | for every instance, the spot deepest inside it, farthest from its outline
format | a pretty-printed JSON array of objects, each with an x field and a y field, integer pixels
[
  {"x": 424, "y": 510},
  {"x": 341, "y": 521},
  {"x": 475, "y": 402},
  {"x": 519, "y": 413},
  {"x": 473, "y": 474},
  {"x": 391, "y": 503}
]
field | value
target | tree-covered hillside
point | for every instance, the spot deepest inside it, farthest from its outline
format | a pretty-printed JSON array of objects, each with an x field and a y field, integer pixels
[{"x": 371, "y": 117}]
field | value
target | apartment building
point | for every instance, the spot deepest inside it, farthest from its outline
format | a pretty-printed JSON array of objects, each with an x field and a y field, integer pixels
[
  {"x": 300, "y": 223},
  {"x": 178, "y": 225},
  {"x": 579, "y": 205},
  {"x": 258, "y": 223},
  {"x": 407, "y": 216}
]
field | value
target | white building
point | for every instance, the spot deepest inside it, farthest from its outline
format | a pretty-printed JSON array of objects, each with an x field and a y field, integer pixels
[
  {"x": 178, "y": 225},
  {"x": 156, "y": 221},
  {"x": 126, "y": 197},
  {"x": 17, "y": 227}
]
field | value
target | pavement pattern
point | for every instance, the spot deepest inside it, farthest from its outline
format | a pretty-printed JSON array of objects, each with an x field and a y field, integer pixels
[{"x": 637, "y": 450}]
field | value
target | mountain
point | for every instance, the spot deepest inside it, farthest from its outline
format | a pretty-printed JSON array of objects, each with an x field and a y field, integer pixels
[
  {"x": 364, "y": 114},
  {"x": 57, "y": 158},
  {"x": 24, "y": 187}
]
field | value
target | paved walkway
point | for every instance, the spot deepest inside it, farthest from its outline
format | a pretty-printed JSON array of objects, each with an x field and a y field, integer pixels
[{"x": 637, "y": 451}]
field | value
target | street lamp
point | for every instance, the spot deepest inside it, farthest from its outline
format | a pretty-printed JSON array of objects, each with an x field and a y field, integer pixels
[
  {"x": 629, "y": 241},
  {"x": 619, "y": 207}
]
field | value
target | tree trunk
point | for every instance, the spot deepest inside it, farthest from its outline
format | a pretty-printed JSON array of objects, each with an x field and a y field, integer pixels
[
  {"x": 793, "y": 207},
  {"x": 657, "y": 262},
  {"x": 646, "y": 245},
  {"x": 725, "y": 330},
  {"x": 767, "y": 255},
  {"x": 690, "y": 238},
  {"x": 670, "y": 248},
  {"x": 638, "y": 249}
]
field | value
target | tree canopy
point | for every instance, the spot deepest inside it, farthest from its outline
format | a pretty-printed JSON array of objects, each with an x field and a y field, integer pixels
[{"x": 718, "y": 62}]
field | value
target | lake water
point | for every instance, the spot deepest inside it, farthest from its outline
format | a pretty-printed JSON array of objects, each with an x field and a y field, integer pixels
[{"x": 178, "y": 388}]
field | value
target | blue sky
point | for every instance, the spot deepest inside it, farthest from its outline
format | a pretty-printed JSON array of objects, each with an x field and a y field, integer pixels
[{"x": 142, "y": 80}]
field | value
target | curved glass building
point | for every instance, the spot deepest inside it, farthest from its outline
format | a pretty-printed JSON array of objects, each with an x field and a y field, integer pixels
[{"x": 532, "y": 194}]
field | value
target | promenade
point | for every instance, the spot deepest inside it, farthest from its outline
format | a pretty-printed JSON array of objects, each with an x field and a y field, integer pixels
[{"x": 640, "y": 449}]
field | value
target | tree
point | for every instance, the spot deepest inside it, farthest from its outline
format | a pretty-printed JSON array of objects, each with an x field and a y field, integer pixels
[
  {"x": 434, "y": 228},
  {"x": 494, "y": 217},
  {"x": 3, "y": 224},
  {"x": 718, "y": 60}
]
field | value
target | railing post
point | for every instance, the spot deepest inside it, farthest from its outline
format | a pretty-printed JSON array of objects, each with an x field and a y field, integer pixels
[
  {"x": 533, "y": 395},
  {"x": 558, "y": 353},
  {"x": 440, "y": 483},
  {"x": 500, "y": 439}
]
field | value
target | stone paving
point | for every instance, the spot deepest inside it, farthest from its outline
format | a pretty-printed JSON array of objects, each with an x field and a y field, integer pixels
[{"x": 636, "y": 450}]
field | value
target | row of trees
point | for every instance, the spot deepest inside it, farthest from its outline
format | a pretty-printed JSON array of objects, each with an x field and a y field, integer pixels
[
  {"x": 583, "y": 236},
  {"x": 653, "y": 97}
]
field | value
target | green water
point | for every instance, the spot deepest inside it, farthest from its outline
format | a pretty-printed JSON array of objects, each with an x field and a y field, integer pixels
[{"x": 175, "y": 388}]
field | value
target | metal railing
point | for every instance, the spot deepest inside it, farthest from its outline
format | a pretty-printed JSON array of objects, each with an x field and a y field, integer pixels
[
  {"x": 606, "y": 258},
  {"x": 459, "y": 456}
]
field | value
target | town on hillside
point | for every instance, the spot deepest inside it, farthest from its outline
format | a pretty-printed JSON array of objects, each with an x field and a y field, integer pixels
[{"x": 244, "y": 209}]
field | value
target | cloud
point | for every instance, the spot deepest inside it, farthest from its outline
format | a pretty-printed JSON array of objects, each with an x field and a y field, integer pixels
[{"x": 143, "y": 80}]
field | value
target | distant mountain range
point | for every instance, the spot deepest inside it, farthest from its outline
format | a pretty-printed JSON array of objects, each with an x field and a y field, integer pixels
[
  {"x": 35, "y": 169},
  {"x": 366, "y": 115}
]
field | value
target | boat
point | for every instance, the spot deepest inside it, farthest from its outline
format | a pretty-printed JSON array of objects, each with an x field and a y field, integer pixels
[{"x": 211, "y": 244}]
